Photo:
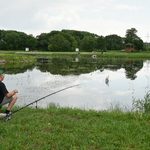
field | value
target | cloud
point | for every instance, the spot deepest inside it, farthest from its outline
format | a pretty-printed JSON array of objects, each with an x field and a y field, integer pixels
[
  {"x": 127, "y": 7},
  {"x": 98, "y": 16}
]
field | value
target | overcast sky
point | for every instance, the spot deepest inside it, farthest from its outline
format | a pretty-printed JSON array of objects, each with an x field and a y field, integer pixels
[{"x": 102, "y": 17}]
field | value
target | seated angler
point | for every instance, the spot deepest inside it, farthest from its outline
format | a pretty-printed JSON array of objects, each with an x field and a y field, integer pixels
[{"x": 6, "y": 97}]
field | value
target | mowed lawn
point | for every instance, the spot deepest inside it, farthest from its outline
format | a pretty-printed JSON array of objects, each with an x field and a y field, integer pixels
[{"x": 69, "y": 129}]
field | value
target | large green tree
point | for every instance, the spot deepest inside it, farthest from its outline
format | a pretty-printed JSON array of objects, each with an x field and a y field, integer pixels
[
  {"x": 100, "y": 43},
  {"x": 42, "y": 41},
  {"x": 132, "y": 38},
  {"x": 13, "y": 40},
  {"x": 114, "y": 42},
  {"x": 59, "y": 43},
  {"x": 88, "y": 44},
  {"x": 31, "y": 42},
  {"x": 71, "y": 40}
]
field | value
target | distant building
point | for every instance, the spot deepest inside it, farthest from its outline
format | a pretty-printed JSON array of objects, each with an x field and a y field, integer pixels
[
  {"x": 26, "y": 49},
  {"x": 129, "y": 47},
  {"x": 77, "y": 50}
]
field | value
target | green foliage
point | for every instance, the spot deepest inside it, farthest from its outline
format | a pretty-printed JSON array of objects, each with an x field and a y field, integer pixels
[
  {"x": 88, "y": 43},
  {"x": 101, "y": 43},
  {"x": 68, "y": 40},
  {"x": 31, "y": 42},
  {"x": 114, "y": 42},
  {"x": 59, "y": 43},
  {"x": 132, "y": 38},
  {"x": 13, "y": 40},
  {"x": 42, "y": 41},
  {"x": 142, "y": 105}
]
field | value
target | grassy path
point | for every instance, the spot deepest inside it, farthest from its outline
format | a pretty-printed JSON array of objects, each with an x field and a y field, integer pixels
[{"x": 63, "y": 128}]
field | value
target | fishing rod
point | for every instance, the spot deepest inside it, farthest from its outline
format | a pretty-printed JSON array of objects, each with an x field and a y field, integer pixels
[{"x": 44, "y": 97}]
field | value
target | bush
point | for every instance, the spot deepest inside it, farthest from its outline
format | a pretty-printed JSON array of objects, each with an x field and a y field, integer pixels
[{"x": 142, "y": 105}]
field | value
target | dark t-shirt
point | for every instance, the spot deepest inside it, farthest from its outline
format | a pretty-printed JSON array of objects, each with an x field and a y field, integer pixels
[{"x": 3, "y": 91}]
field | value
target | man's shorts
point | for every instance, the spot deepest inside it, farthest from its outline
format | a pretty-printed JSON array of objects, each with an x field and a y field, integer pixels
[{"x": 6, "y": 100}]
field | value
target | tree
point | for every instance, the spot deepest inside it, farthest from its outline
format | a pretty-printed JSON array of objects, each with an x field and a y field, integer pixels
[
  {"x": 42, "y": 41},
  {"x": 71, "y": 40},
  {"x": 59, "y": 43},
  {"x": 114, "y": 42},
  {"x": 100, "y": 43},
  {"x": 3, "y": 43},
  {"x": 45, "y": 40},
  {"x": 88, "y": 43},
  {"x": 31, "y": 42},
  {"x": 79, "y": 36},
  {"x": 13, "y": 40},
  {"x": 132, "y": 38}
]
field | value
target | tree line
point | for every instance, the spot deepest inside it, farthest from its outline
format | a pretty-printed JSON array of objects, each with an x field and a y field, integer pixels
[{"x": 68, "y": 40}]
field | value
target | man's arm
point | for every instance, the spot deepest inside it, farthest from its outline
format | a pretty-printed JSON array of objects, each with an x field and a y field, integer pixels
[{"x": 10, "y": 94}]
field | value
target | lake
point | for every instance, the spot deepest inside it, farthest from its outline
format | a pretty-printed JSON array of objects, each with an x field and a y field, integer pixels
[{"x": 104, "y": 83}]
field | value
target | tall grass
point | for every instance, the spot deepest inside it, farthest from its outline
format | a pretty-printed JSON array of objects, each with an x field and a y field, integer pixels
[{"x": 142, "y": 105}]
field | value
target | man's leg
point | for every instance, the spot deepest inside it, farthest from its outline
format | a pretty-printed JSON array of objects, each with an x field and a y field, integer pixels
[{"x": 12, "y": 102}]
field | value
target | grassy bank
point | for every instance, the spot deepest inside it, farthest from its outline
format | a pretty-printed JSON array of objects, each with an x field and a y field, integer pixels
[
  {"x": 108, "y": 54},
  {"x": 63, "y": 128},
  {"x": 11, "y": 57},
  {"x": 16, "y": 63}
]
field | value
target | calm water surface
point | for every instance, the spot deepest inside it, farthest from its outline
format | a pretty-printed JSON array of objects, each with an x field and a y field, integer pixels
[{"x": 99, "y": 89}]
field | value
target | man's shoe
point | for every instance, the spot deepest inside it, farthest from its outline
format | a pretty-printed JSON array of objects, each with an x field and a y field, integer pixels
[{"x": 8, "y": 116}]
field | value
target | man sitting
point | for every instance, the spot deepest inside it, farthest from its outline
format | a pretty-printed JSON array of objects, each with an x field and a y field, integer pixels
[{"x": 6, "y": 97}]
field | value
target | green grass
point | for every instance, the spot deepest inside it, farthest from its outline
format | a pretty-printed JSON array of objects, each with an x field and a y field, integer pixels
[
  {"x": 115, "y": 54},
  {"x": 63, "y": 128},
  {"x": 10, "y": 58},
  {"x": 19, "y": 55},
  {"x": 108, "y": 54},
  {"x": 67, "y": 129}
]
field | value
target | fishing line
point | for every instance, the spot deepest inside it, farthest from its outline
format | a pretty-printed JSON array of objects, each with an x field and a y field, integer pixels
[{"x": 44, "y": 97}]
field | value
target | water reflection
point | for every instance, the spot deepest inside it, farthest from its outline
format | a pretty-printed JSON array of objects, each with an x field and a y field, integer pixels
[
  {"x": 78, "y": 66},
  {"x": 103, "y": 83},
  {"x": 132, "y": 67}
]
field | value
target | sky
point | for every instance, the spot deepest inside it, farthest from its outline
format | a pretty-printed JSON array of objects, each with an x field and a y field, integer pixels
[{"x": 102, "y": 17}]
